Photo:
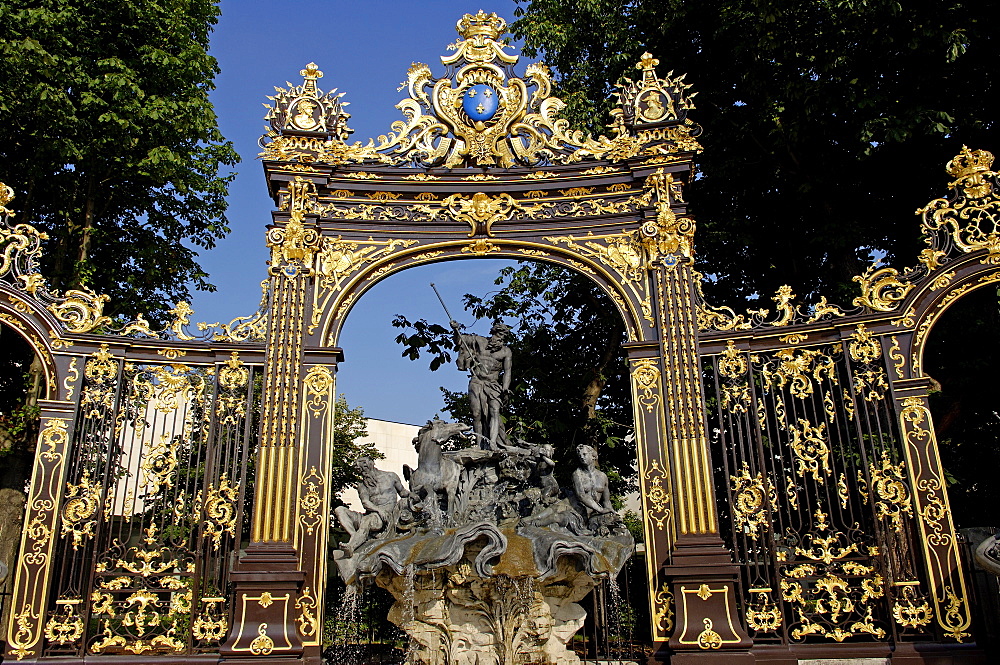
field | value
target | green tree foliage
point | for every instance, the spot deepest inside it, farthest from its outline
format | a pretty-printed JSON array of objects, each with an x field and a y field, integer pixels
[
  {"x": 20, "y": 388},
  {"x": 826, "y": 121},
  {"x": 570, "y": 383},
  {"x": 109, "y": 140}
]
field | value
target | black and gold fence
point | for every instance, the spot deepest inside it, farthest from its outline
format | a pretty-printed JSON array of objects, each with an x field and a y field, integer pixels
[
  {"x": 821, "y": 512},
  {"x": 153, "y": 512}
]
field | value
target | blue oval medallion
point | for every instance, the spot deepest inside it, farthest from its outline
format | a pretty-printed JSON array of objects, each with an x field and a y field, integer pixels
[{"x": 481, "y": 102}]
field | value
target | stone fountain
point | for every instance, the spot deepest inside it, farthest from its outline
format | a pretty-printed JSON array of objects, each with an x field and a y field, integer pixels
[{"x": 485, "y": 555}]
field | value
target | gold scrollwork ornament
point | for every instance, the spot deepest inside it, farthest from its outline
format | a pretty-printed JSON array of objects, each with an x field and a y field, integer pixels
[
  {"x": 646, "y": 376},
  {"x": 971, "y": 217},
  {"x": 750, "y": 497},
  {"x": 709, "y": 639},
  {"x": 307, "y": 619},
  {"x": 221, "y": 510},
  {"x": 656, "y": 494},
  {"x": 663, "y": 617},
  {"x": 481, "y": 211},
  {"x": 234, "y": 374},
  {"x": 310, "y": 503},
  {"x": 101, "y": 370},
  {"x": 864, "y": 347},
  {"x": 319, "y": 384},
  {"x": 799, "y": 370},
  {"x": 829, "y": 547},
  {"x": 211, "y": 624},
  {"x": 293, "y": 247},
  {"x": 763, "y": 615},
  {"x": 65, "y": 627},
  {"x": 889, "y": 483},
  {"x": 668, "y": 234},
  {"x": 81, "y": 310},
  {"x": 881, "y": 289},
  {"x": 262, "y": 645},
  {"x": 911, "y": 611},
  {"x": 732, "y": 363},
  {"x": 231, "y": 401},
  {"x": 80, "y": 510},
  {"x": 812, "y": 454}
]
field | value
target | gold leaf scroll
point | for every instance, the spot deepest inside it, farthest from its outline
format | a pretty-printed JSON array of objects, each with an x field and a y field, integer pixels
[
  {"x": 81, "y": 310},
  {"x": 812, "y": 454}
]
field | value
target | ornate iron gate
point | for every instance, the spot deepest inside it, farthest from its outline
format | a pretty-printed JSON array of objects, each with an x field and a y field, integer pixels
[
  {"x": 804, "y": 511},
  {"x": 154, "y": 502}
]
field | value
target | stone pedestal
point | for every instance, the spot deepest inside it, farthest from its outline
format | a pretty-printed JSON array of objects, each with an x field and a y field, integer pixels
[{"x": 266, "y": 585}]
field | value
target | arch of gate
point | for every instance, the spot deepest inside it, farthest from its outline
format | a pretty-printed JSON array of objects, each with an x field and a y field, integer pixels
[
  {"x": 331, "y": 323},
  {"x": 481, "y": 166}
]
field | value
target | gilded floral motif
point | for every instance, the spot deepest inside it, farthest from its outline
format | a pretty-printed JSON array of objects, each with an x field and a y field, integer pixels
[
  {"x": 970, "y": 220},
  {"x": 763, "y": 615},
  {"x": 752, "y": 496},
  {"x": 795, "y": 367},
  {"x": 79, "y": 513},
  {"x": 864, "y": 347},
  {"x": 646, "y": 376},
  {"x": 812, "y": 454},
  {"x": 890, "y": 486},
  {"x": 221, "y": 510}
]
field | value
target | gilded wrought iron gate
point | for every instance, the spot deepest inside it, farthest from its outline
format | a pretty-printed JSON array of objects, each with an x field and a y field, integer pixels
[
  {"x": 144, "y": 472},
  {"x": 837, "y": 513},
  {"x": 153, "y": 512},
  {"x": 793, "y": 500},
  {"x": 820, "y": 509}
]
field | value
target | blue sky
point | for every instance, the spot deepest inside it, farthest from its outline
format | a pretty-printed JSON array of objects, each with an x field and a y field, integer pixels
[{"x": 364, "y": 50}]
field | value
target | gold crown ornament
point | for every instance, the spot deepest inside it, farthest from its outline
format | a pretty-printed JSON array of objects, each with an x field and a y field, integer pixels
[
  {"x": 489, "y": 25},
  {"x": 969, "y": 162}
]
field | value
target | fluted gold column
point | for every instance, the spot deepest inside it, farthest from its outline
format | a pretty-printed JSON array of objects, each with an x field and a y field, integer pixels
[
  {"x": 695, "y": 581},
  {"x": 269, "y": 577}
]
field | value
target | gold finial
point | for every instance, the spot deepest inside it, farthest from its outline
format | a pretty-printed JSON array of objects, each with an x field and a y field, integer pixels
[
  {"x": 311, "y": 72},
  {"x": 489, "y": 25},
  {"x": 969, "y": 162},
  {"x": 647, "y": 62}
]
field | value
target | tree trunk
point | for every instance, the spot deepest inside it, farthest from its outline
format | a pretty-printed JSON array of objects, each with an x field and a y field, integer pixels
[
  {"x": 598, "y": 378},
  {"x": 86, "y": 237}
]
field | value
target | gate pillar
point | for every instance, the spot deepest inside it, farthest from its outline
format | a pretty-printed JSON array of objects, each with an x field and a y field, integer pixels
[
  {"x": 274, "y": 607},
  {"x": 687, "y": 563},
  {"x": 33, "y": 570},
  {"x": 938, "y": 540}
]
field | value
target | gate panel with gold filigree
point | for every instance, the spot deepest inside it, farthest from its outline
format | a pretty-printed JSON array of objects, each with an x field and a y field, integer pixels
[
  {"x": 820, "y": 512},
  {"x": 838, "y": 514},
  {"x": 154, "y": 505}
]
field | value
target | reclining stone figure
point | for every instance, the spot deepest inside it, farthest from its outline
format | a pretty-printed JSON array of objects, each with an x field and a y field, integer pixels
[{"x": 379, "y": 491}]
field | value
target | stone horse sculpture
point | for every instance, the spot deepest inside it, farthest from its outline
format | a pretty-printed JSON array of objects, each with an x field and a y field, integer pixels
[{"x": 436, "y": 476}]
